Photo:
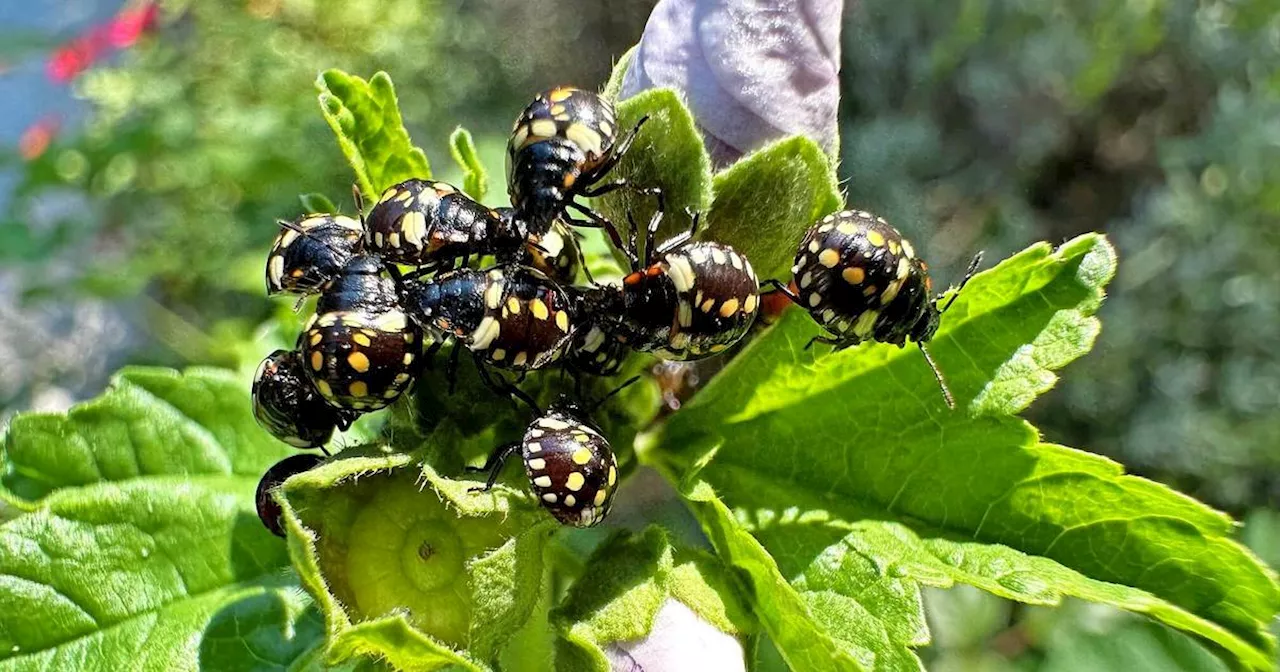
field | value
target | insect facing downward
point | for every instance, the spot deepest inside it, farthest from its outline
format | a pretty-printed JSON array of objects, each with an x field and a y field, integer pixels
[
  {"x": 288, "y": 406},
  {"x": 561, "y": 146},
  {"x": 309, "y": 252},
  {"x": 359, "y": 348},
  {"x": 570, "y": 465},
  {"x": 861, "y": 280}
]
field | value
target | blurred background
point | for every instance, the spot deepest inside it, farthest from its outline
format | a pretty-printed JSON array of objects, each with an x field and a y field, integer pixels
[{"x": 147, "y": 148}]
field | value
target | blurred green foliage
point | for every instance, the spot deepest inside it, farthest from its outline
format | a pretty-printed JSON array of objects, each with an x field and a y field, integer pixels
[{"x": 202, "y": 136}]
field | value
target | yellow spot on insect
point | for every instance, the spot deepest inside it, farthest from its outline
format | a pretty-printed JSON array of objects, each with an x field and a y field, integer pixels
[
  {"x": 814, "y": 300},
  {"x": 847, "y": 228},
  {"x": 493, "y": 295},
  {"x": 613, "y": 475},
  {"x": 317, "y": 361},
  {"x": 735, "y": 259},
  {"x": 894, "y": 247},
  {"x": 316, "y": 337},
  {"x": 520, "y": 359},
  {"x": 361, "y": 339},
  {"x": 553, "y": 424},
  {"x": 870, "y": 291},
  {"x": 890, "y": 292},
  {"x": 401, "y": 378},
  {"x": 485, "y": 333},
  {"x": 875, "y": 238},
  {"x": 684, "y": 314},
  {"x": 536, "y": 463},
  {"x": 585, "y": 138},
  {"x": 601, "y": 494},
  {"x": 910, "y": 251},
  {"x": 575, "y": 481},
  {"x": 414, "y": 227},
  {"x": 408, "y": 358},
  {"x": 806, "y": 279},
  {"x": 542, "y": 481},
  {"x": 519, "y": 137},
  {"x": 377, "y": 239},
  {"x": 562, "y": 321},
  {"x": 606, "y": 128},
  {"x": 865, "y": 323},
  {"x": 560, "y": 95},
  {"x": 707, "y": 305},
  {"x": 717, "y": 255},
  {"x": 557, "y": 109},
  {"x": 513, "y": 305},
  {"x": 828, "y": 315},
  {"x": 853, "y": 275},
  {"x": 404, "y": 196},
  {"x": 570, "y": 500},
  {"x": 718, "y": 347},
  {"x": 392, "y": 321},
  {"x": 814, "y": 246},
  {"x": 287, "y": 238},
  {"x": 903, "y": 269},
  {"x": 829, "y": 257},
  {"x": 358, "y": 361},
  {"x": 391, "y": 393},
  {"x": 324, "y": 388},
  {"x": 394, "y": 240},
  {"x": 581, "y": 456},
  {"x": 539, "y": 309},
  {"x": 277, "y": 269},
  {"x": 542, "y": 128},
  {"x": 387, "y": 195},
  {"x": 358, "y": 389},
  {"x": 728, "y": 308},
  {"x": 296, "y": 273},
  {"x": 498, "y": 354},
  {"x": 682, "y": 275},
  {"x": 533, "y": 446},
  {"x": 749, "y": 306},
  {"x": 550, "y": 497}
]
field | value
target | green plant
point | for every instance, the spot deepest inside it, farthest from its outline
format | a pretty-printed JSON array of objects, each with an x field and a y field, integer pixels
[{"x": 832, "y": 487}]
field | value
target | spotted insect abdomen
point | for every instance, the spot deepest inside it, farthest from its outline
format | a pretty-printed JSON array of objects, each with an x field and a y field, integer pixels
[
  {"x": 419, "y": 221},
  {"x": 532, "y": 321},
  {"x": 360, "y": 360},
  {"x": 571, "y": 467},
  {"x": 859, "y": 278},
  {"x": 717, "y": 295}
]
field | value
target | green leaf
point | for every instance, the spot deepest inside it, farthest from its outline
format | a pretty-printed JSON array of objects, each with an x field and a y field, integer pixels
[
  {"x": 150, "y": 422},
  {"x": 668, "y": 153},
  {"x": 397, "y": 557},
  {"x": 970, "y": 495},
  {"x": 619, "y": 72},
  {"x": 631, "y": 577},
  {"x": 765, "y": 202},
  {"x": 366, "y": 119},
  {"x": 806, "y": 634},
  {"x": 317, "y": 203},
  {"x": 475, "y": 180},
  {"x": 134, "y": 572},
  {"x": 144, "y": 549}
]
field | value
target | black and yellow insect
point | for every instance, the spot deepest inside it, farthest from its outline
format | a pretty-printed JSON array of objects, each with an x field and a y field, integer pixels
[
  {"x": 511, "y": 316},
  {"x": 309, "y": 252},
  {"x": 570, "y": 465},
  {"x": 686, "y": 300},
  {"x": 861, "y": 280},
  {"x": 561, "y": 147},
  {"x": 360, "y": 349},
  {"x": 288, "y": 406}
]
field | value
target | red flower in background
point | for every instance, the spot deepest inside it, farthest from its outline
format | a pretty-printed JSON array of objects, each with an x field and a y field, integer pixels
[
  {"x": 121, "y": 32},
  {"x": 36, "y": 138}
]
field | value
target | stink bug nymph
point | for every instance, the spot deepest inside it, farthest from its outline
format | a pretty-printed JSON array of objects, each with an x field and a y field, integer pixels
[
  {"x": 861, "y": 280},
  {"x": 288, "y": 406},
  {"x": 360, "y": 349},
  {"x": 309, "y": 252},
  {"x": 570, "y": 464},
  {"x": 562, "y": 145}
]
